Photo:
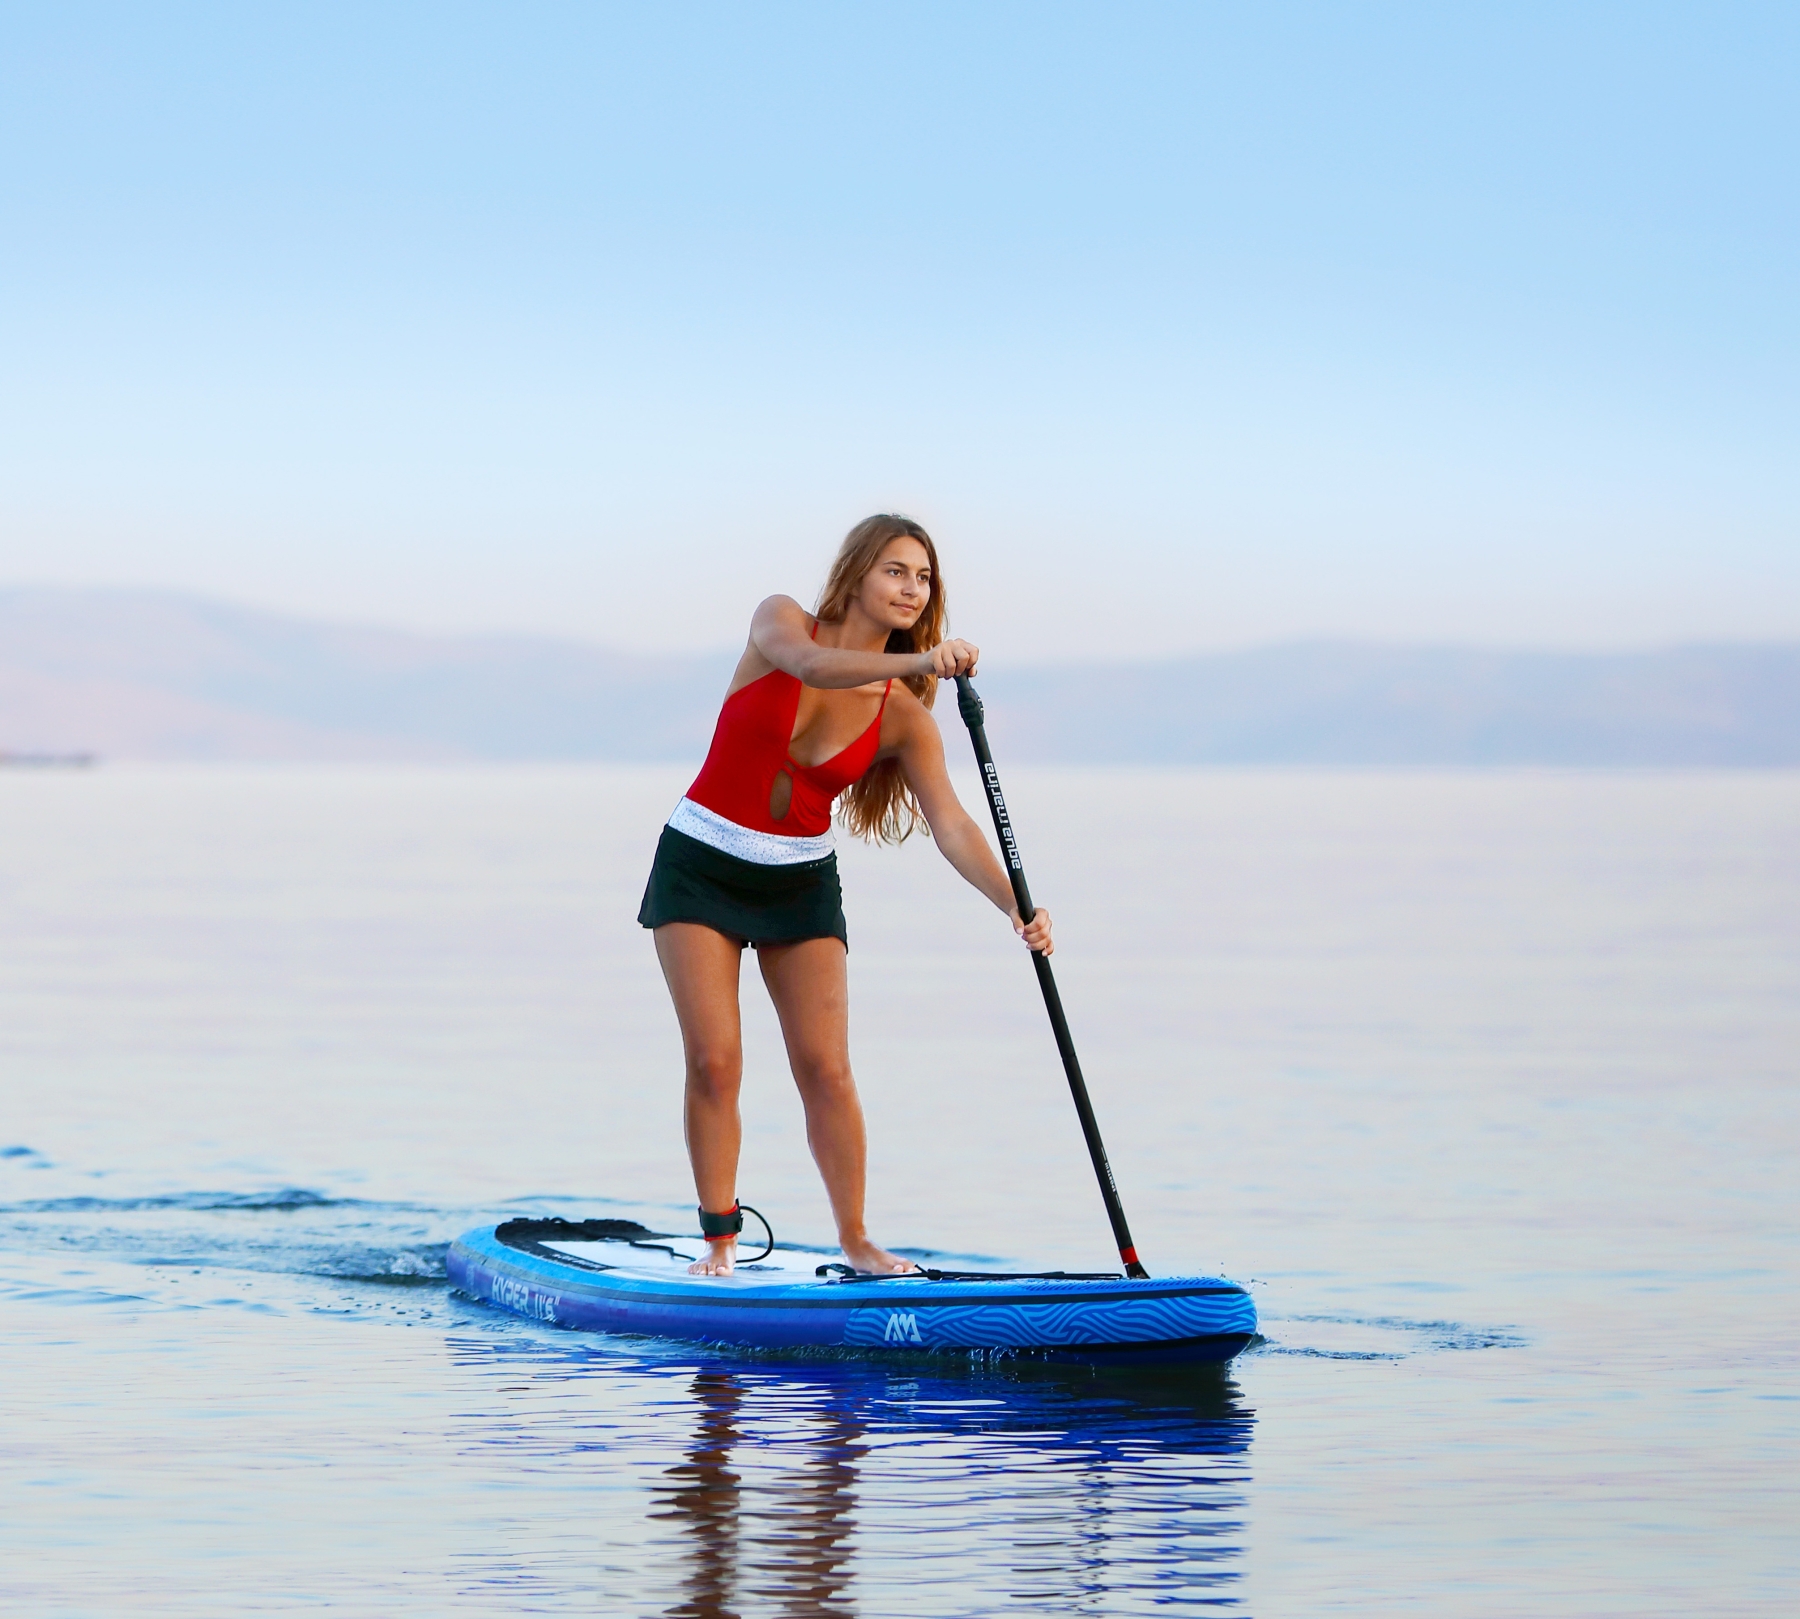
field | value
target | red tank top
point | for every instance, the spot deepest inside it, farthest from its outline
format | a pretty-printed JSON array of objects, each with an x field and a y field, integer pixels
[{"x": 750, "y": 749}]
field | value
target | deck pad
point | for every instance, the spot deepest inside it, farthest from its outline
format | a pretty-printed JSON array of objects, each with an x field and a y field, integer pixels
[{"x": 788, "y": 1264}]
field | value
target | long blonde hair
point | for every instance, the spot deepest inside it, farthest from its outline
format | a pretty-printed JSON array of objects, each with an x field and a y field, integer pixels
[{"x": 879, "y": 806}]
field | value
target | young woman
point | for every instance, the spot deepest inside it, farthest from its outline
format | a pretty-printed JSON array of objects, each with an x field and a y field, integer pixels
[{"x": 821, "y": 705}]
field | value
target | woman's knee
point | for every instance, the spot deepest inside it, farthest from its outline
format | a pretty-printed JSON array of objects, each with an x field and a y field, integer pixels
[
  {"x": 824, "y": 1077},
  {"x": 714, "y": 1073}
]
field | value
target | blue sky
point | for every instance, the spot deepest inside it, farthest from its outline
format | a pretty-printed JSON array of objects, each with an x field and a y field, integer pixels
[{"x": 1183, "y": 326}]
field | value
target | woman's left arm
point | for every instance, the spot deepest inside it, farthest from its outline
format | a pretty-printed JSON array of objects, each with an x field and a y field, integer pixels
[{"x": 961, "y": 841}]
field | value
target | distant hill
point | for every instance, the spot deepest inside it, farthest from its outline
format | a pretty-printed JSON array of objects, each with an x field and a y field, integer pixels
[
  {"x": 1337, "y": 703},
  {"x": 149, "y": 675}
]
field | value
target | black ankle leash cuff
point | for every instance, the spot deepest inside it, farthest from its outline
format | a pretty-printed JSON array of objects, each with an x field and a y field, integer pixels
[{"x": 728, "y": 1224}]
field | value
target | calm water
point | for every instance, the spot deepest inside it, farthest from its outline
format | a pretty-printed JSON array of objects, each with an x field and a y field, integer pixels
[{"x": 1486, "y": 1082}]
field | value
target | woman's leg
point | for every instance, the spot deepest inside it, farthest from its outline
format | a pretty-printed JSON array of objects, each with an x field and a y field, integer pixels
[
  {"x": 701, "y": 966},
  {"x": 811, "y": 992}
]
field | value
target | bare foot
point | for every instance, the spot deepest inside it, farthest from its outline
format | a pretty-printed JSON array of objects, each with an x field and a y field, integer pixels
[
  {"x": 720, "y": 1260},
  {"x": 873, "y": 1261}
]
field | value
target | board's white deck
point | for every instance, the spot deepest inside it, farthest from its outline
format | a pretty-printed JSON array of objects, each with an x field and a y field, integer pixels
[{"x": 785, "y": 1265}]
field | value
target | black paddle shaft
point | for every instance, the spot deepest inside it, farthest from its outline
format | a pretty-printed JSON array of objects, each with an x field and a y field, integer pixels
[{"x": 970, "y": 704}]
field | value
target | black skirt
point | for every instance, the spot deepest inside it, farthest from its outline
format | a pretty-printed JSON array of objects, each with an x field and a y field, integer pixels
[{"x": 691, "y": 881}]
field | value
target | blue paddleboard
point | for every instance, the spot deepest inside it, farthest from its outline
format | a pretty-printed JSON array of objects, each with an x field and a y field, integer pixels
[{"x": 617, "y": 1276}]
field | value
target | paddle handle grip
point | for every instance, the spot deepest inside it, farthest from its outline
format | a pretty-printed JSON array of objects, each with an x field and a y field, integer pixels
[{"x": 975, "y": 718}]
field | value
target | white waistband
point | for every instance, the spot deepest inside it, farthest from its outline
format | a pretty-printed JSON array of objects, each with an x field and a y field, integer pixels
[{"x": 760, "y": 848}]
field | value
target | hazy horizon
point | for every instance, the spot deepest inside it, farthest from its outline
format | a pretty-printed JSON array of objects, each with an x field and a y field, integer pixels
[
  {"x": 1123, "y": 657},
  {"x": 164, "y": 675}
]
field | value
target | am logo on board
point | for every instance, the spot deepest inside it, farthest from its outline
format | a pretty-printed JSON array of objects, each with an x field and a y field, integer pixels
[{"x": 902, "y": 1328}]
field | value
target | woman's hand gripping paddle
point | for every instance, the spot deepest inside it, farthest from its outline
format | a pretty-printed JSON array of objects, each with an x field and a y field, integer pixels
[{"x": 970, "y": 704}]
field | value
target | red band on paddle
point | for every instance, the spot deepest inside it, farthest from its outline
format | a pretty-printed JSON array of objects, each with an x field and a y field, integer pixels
[{"x": 1129, "y": 1255}]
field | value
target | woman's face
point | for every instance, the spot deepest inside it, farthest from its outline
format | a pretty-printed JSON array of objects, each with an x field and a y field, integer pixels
[{"x": 896, "y": 590}]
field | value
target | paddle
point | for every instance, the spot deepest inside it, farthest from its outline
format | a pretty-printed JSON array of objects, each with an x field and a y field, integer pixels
[{"x": 970, "y": 704}]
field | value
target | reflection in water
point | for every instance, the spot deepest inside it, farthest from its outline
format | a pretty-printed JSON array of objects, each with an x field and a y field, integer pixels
[
  {"x": 818, "y": 1490},
  {"x": 800, "y": 1518},
  {"x": 814, "y": 1501},
  {"x": 703, "y": 1496}
]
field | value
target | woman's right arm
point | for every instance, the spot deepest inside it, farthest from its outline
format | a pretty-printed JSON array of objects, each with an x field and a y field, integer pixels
[{"x": 781, "y": 634}]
